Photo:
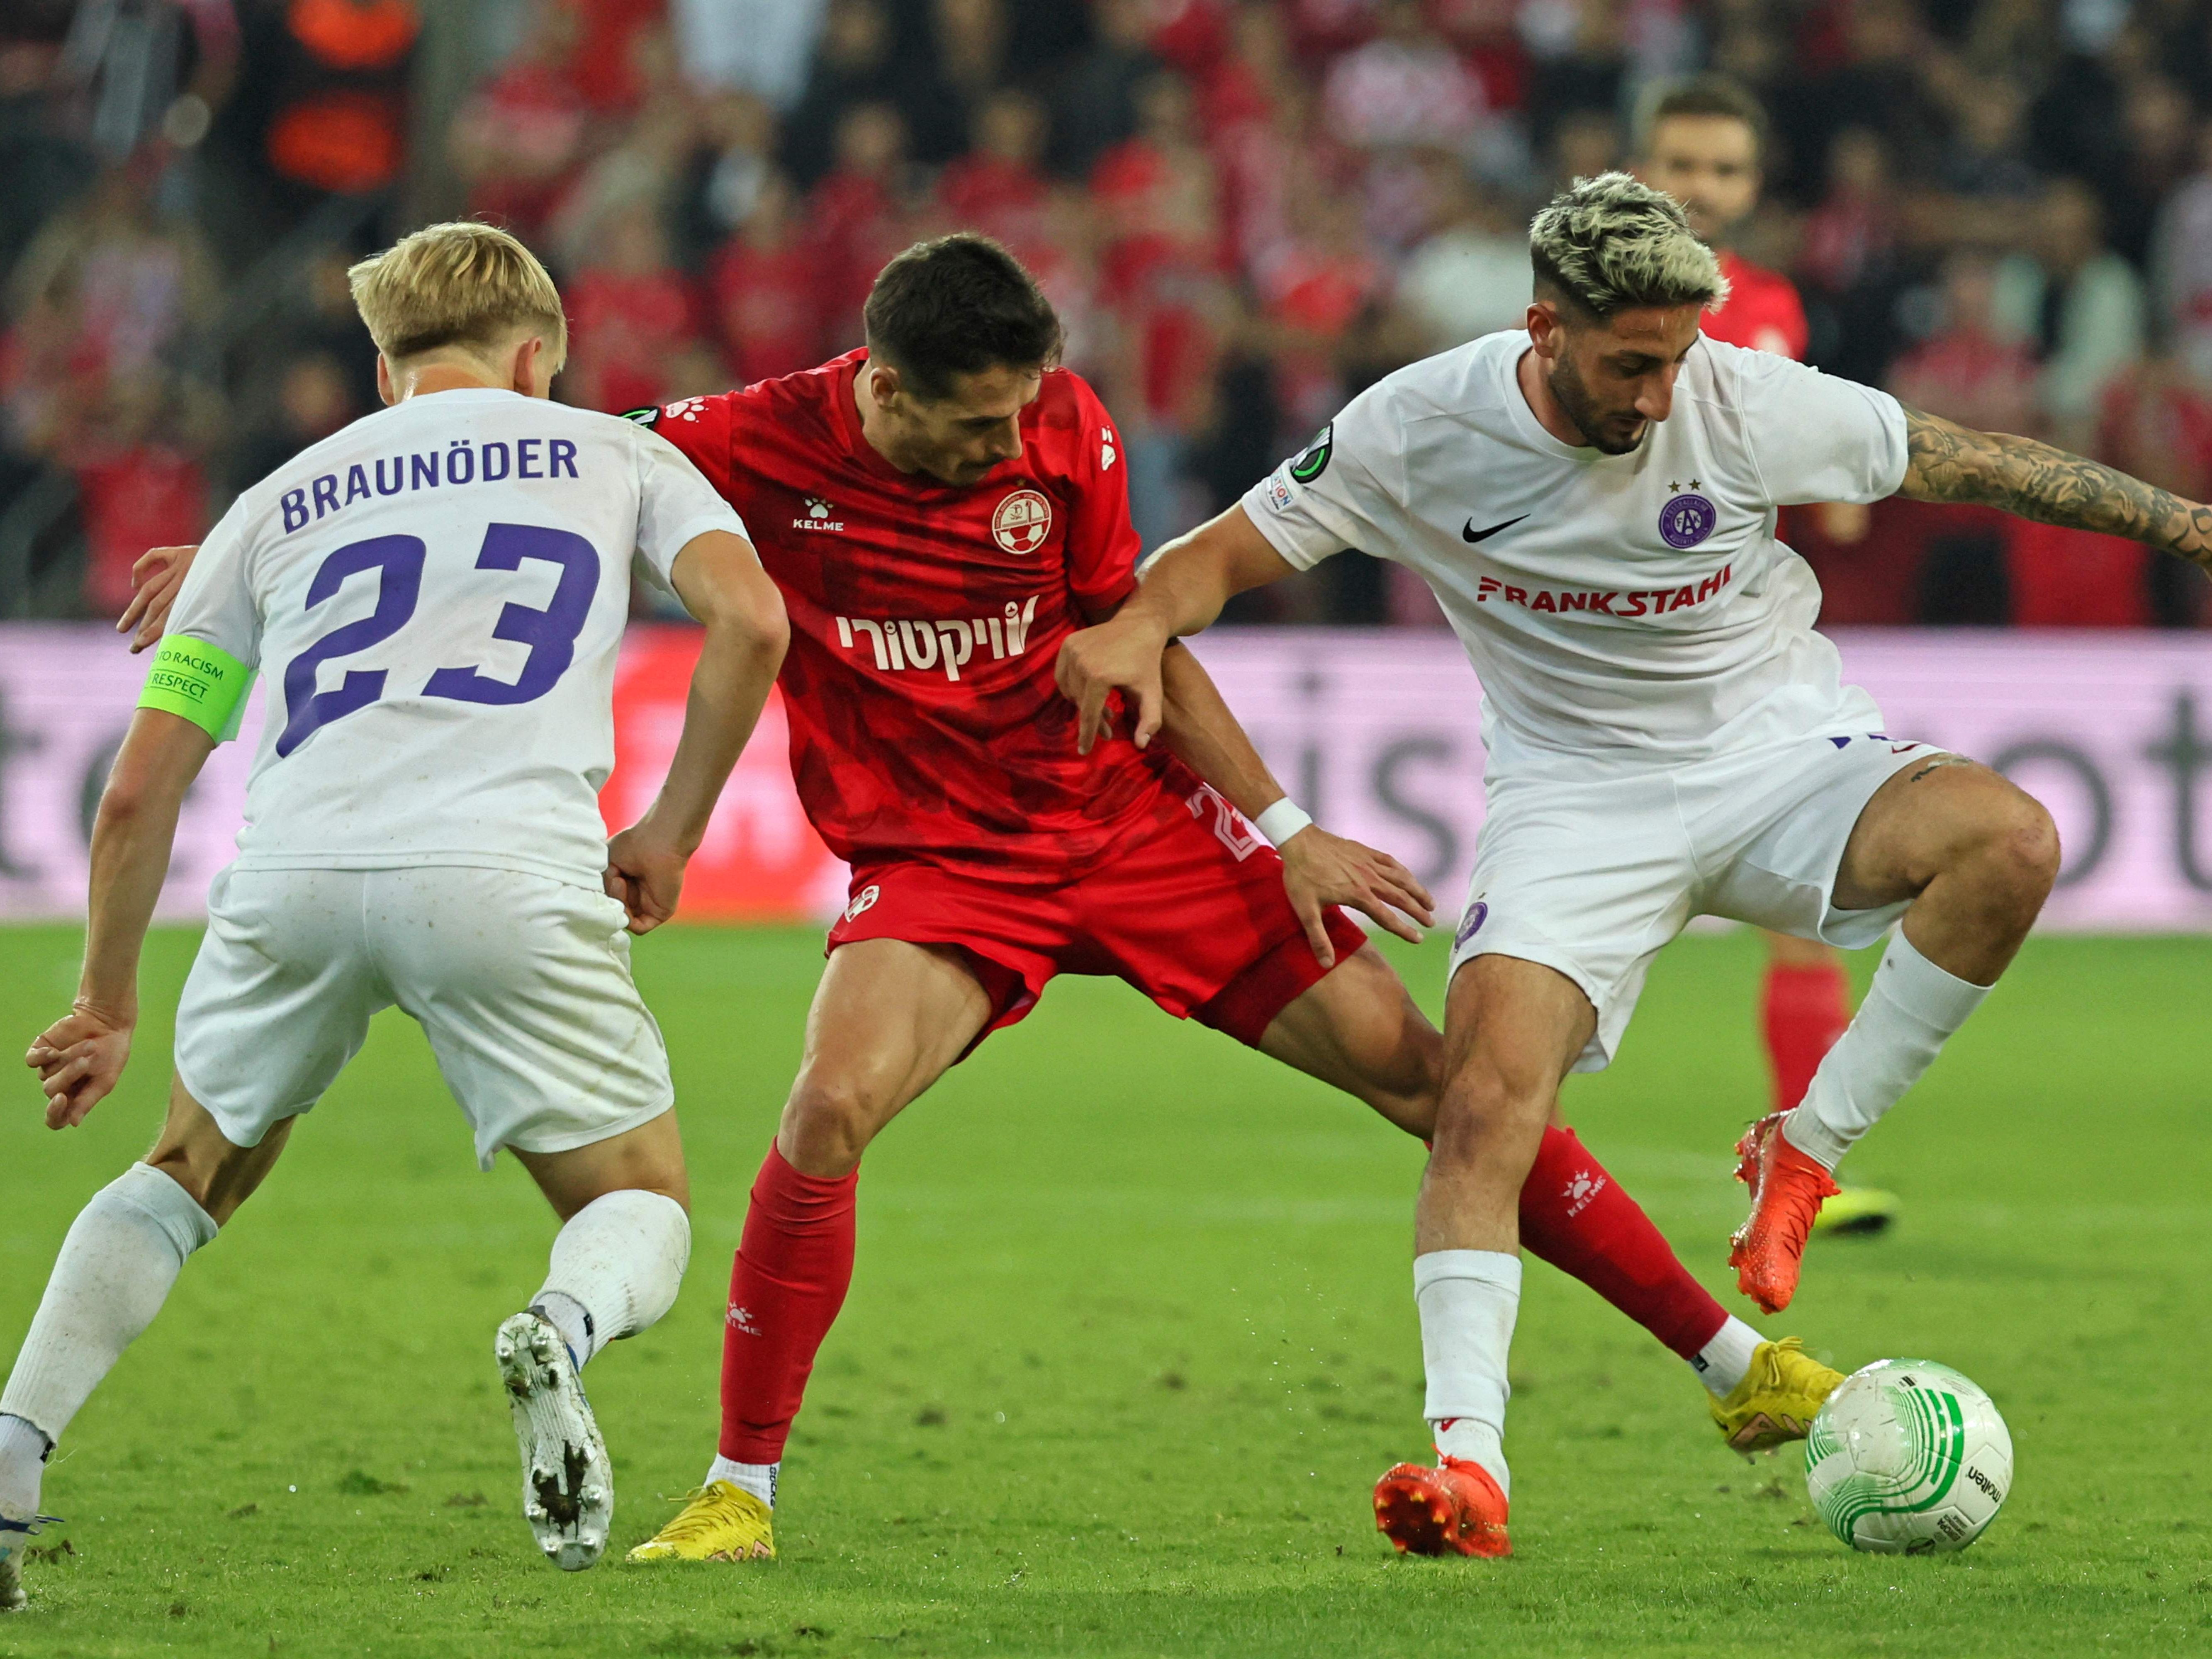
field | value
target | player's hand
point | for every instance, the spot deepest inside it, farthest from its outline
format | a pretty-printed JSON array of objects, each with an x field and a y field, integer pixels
[
  {"x": 1319, "y": 870},
  {"x": 156, "y": 577},
  {"x": 1120, "y": 655},
  {"x": 645, "y": 875},
  {"x": 79, "y": 1059}
]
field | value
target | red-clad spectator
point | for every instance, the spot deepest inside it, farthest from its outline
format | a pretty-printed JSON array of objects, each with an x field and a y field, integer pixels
[
  {"x": 1850, "y": 233},
  {"x": 136, "y": 488},
  {"x": 1405, "y": 88},
  {"x": 1158, "y": 190},
  {"x": 1969, "y": 370},
  {"x": 856, "y": 217},
  {"x": 1250, "y": 78},
  {"x": 1486, "y": 36},
  {"x": 1191, "y": 36},
  {"x": 518, "y": 138},
  {"x": 606, "y": 68},
  {"x": 1319, "y": 281},
  {"x": 766, "y": 288},
  {"x": 998, "y": 187},
  {"x": 628, "y": 315}
]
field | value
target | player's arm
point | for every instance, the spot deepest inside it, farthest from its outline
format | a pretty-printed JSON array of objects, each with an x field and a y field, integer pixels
[
  {"x": 1318, "y": 869},
  {"x": 1182, "y": 590},
  {"x": 721, "y": 583},
  {"x": 1947, "y": 462},
  {"x": 80, "y": 1057}
]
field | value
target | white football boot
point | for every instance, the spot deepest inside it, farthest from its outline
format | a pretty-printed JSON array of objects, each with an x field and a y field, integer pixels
[{"x": 567, "y": 1484}]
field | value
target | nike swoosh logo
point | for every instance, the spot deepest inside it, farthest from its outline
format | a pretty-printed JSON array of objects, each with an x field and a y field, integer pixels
[{"x": 1470, "y": 534}]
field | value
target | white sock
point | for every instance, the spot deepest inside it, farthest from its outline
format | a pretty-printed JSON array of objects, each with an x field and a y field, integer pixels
[
  {"x": 1467, "y": 1300},
  {"x": 122, "y": 1254},
  {"x": 23, "y": 1453},
  {"x": 1912, "y": 1008},
  {"x": 617, "y": 1268},
  {"x": 758, "y": 1479},
  {"x": 1726, "y": 1360}
]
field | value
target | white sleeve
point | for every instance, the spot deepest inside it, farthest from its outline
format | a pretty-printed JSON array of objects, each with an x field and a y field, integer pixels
[
  {"x": 215, "y": 604},
  {"x": 675, "y": 503},
  {"x": 1337, "y": 491},
  {"x": 1815, "y": 438}
]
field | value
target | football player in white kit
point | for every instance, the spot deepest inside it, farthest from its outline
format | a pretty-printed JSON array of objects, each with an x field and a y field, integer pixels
[
  {"x": 1593, "y": 500},
  {"x": 437, "y": 594}
]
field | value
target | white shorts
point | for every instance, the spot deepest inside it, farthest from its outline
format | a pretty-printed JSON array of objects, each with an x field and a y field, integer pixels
[
  {"x": 1592, "y": 877},
  {"x": 522, "y": 984}
]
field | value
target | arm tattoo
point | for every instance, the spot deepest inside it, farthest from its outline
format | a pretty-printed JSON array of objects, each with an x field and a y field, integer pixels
[{"x": 1947, "y": 462}]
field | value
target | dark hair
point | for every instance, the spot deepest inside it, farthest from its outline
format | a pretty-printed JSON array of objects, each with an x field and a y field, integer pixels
[
  {"x": 956, "y": 306},
  {"x": 1705, "y": 95}
]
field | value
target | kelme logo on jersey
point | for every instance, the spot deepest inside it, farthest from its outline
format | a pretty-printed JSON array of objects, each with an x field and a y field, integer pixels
[
  {"x": 1312, "y": 461},
  {"x": 864, "y": 900},
  {"x": 950, "y": 645},
  {"x": 1687, "y": 519},
  {"x": 820, "y": 516},
  {"x": 1023, "y": 521}
]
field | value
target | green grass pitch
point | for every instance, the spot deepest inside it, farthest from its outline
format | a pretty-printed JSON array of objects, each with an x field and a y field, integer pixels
[{"x": 1131, "y": 1338}]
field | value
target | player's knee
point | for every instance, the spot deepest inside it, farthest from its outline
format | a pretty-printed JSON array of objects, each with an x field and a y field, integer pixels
[
  {"x": 1484, "y": 1100},
  {"x": 2019, "y": 845},
  {"x": 827, "y": 1124}
]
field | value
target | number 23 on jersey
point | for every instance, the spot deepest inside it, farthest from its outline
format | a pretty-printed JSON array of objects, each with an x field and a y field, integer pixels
[{"x": 396, "y": 562}]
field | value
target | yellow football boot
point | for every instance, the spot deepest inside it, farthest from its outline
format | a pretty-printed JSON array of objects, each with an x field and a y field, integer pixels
[
  {"x": 717, "y": 1523},
  {"x": 1777, "y": 1398}
]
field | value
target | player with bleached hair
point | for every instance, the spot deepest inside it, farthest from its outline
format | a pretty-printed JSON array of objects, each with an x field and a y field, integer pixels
[
  {"x": 1593, "y": 500},
  {"x": 437, "y": 594}
]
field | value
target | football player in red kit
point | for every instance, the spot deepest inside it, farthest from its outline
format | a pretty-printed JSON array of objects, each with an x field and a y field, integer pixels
[
  {"x": 1701, "y": 142},
  {"x": 941, "y": 511}
]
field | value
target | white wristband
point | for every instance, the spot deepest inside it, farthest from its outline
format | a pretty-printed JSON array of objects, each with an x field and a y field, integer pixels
[{"x": 1282, "y": 821}]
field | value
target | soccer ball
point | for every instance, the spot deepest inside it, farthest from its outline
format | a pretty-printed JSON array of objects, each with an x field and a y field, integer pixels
[{"x": 1907, "y": 1457}]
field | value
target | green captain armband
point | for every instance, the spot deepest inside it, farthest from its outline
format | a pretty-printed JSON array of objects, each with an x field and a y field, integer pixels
[{"x": 199, "y": 682}]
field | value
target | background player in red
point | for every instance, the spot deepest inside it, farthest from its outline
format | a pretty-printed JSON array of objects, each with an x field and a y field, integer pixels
[
  {"x": 941, "y": 511},
  {"x": 1702, "y": 142}
]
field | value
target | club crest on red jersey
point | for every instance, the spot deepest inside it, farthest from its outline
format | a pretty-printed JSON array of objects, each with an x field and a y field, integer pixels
[{"x": 1023, "y": 521}]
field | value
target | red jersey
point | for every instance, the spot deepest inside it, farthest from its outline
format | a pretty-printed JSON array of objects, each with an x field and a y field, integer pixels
[
  {"x": 1763, "y": 311},
  {"x": 926, "y": 619}
]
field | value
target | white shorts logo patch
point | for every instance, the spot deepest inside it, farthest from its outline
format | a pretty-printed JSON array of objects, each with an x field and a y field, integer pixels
[
  {"x": 864, "y": 900},
  {"x": 1023, "y": 521}
]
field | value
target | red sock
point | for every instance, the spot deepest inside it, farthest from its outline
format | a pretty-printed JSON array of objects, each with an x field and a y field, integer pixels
[
  {"x": 795, "y": 1265},
  {"x": 1576, "y": 1217},
  {"x": 1805, "y": 1011}
]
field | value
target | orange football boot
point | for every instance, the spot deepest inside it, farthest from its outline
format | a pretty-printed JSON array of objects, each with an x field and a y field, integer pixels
[
  {"x": 1452, "y": 1509},
  {"x": 1787, "y": 1190}
]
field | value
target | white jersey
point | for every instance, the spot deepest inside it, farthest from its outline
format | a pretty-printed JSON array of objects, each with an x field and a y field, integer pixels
[
  {"x": 437, "y": 594},
  {"x": 1614, "y": 606}
]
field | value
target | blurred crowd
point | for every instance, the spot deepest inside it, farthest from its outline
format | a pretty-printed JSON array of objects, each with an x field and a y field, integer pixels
[{"x": 1246, "y": 211}]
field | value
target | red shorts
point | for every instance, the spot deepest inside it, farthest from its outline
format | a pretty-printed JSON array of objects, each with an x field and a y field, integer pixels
[{"x": 1192, "y": 913}]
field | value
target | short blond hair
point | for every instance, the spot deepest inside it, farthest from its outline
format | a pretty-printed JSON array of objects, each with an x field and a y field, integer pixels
[
  {"x": 1613, "y": 243},
  {"x": 460, "y": 284}
]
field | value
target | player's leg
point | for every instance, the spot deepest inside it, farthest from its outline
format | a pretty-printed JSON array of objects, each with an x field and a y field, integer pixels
[
  {"x": 617, "y": 1263},
  {"x": 116, "y": 1264},
  {"x": 1971, "y": 858},
  {"x": 1359, "y": 1030},
  {"x": 888, "y": 1019},
  {"x": 1804, "y": 1006},
  {"x": 550, "y": 1054},
  {"x": 278, "y": 1001},
  {"x": 1512, "y": 1029}
]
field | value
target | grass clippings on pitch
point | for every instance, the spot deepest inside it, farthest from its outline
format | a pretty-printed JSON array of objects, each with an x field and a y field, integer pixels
[{"x": 1131, "y": 1338}]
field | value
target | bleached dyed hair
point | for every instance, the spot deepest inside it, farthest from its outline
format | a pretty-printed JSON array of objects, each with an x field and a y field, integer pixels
[
  {"x": 1613, "y": 243},
  {"x": 461, "y": 284}
]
